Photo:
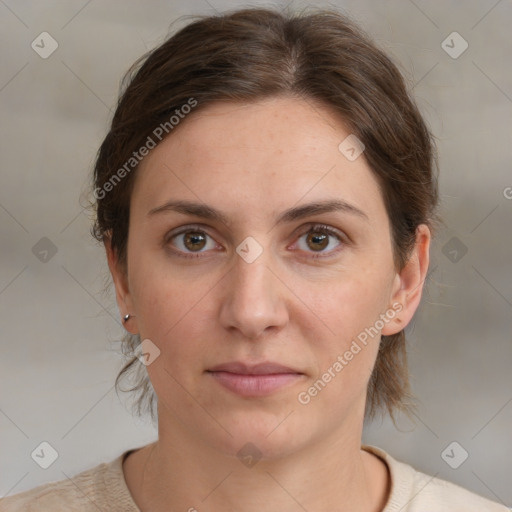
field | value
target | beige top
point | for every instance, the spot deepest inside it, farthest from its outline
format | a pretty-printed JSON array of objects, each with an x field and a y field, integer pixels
[{"x": 103, "y": 488}]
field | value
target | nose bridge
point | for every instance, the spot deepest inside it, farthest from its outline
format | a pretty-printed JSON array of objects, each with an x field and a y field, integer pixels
[
  {"x": 253, "y": 300},
  {"x": 254, "y": 278}
]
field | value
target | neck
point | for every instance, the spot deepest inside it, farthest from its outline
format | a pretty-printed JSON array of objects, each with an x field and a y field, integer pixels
[{"x": 330, "y": 474}]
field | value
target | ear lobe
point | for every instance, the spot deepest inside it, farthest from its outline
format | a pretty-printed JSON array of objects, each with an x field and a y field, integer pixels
[{"x": 408, "y": 286}]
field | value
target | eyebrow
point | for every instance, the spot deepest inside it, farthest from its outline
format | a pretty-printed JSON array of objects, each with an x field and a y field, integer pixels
[{"x": 295, "y": 213}]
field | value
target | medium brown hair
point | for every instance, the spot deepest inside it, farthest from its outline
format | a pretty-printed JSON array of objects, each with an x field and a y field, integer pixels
[{"x": 251, "y": 54}]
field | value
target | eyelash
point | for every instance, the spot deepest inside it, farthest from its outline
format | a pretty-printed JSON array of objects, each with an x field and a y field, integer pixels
[{"x": 312, "y": 228}]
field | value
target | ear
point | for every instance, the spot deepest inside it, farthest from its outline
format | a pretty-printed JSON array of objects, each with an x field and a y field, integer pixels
[
  {"x": 408, "y": 284},
  {"x": 120, "y": 278}
]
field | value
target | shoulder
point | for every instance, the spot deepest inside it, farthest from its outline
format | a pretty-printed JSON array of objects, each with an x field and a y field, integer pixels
[
  {"x": 99, "y": 488},
  {"x": 414, "y": 491}
]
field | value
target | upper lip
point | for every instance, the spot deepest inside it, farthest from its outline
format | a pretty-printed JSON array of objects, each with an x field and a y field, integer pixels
[{"x": 266, "y": 368}]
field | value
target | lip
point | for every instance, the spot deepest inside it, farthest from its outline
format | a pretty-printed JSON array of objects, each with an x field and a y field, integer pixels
[
  {"x": 254, "y": 380},
  {"x": 265, "y": 368}
]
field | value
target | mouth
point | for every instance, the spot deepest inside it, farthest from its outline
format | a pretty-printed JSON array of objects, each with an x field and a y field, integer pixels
[{"x": 254, "y": 380}]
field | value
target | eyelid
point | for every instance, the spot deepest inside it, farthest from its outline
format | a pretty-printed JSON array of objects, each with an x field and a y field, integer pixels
[
  {"x": 319, "y": 226},
  {"x": 183, "y": 229}
]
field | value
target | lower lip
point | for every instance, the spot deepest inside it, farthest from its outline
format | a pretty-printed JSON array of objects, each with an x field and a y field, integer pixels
[{"x": 254, "y": 385}]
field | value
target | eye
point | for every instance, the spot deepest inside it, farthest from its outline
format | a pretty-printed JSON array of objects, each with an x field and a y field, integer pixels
[
  {"x": 318, "y": 238},
  {"x": 191, "y": 240}
]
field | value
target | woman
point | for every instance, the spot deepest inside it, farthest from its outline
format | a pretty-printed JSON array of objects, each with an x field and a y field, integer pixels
[{"x": 267, "y": 198}]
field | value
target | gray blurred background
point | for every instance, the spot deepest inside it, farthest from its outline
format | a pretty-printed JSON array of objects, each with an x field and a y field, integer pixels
[{"x": 59, "y": 328}]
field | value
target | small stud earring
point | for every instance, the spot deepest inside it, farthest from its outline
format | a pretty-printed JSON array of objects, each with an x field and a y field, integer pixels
[{"x": 126, "y": 317}]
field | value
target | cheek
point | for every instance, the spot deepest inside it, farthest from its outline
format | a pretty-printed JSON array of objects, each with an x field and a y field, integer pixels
[
  {"x": 344, "y": 360},
  {"x": 169, "y": 315},
  {"x": 174, "y": 310},
  {"x": 351, "y": 305},
  {"x": 175, "y": 323},
  {"x": 350, "y": 309}
]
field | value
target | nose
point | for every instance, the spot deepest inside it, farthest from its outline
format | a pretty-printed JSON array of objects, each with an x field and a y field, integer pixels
[{"x": 254, "y": 300}]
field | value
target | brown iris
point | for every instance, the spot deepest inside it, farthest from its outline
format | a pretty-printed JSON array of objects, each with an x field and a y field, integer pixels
[
  {"x": 319, "y": 239},
  {"x": 194, "y": 240}
]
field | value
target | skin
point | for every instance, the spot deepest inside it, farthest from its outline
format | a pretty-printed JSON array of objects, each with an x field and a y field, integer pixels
[{"x": 252, "y": 162}]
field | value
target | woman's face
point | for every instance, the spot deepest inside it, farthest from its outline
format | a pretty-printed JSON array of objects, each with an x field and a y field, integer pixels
[{"x": 264, "y": 284}]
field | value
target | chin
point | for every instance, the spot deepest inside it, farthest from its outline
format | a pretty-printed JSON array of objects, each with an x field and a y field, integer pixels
[{"x": 260, "y": 434}]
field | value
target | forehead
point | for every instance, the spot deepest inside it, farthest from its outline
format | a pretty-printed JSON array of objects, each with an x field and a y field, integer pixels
[{"x": 261, "y": 158}]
